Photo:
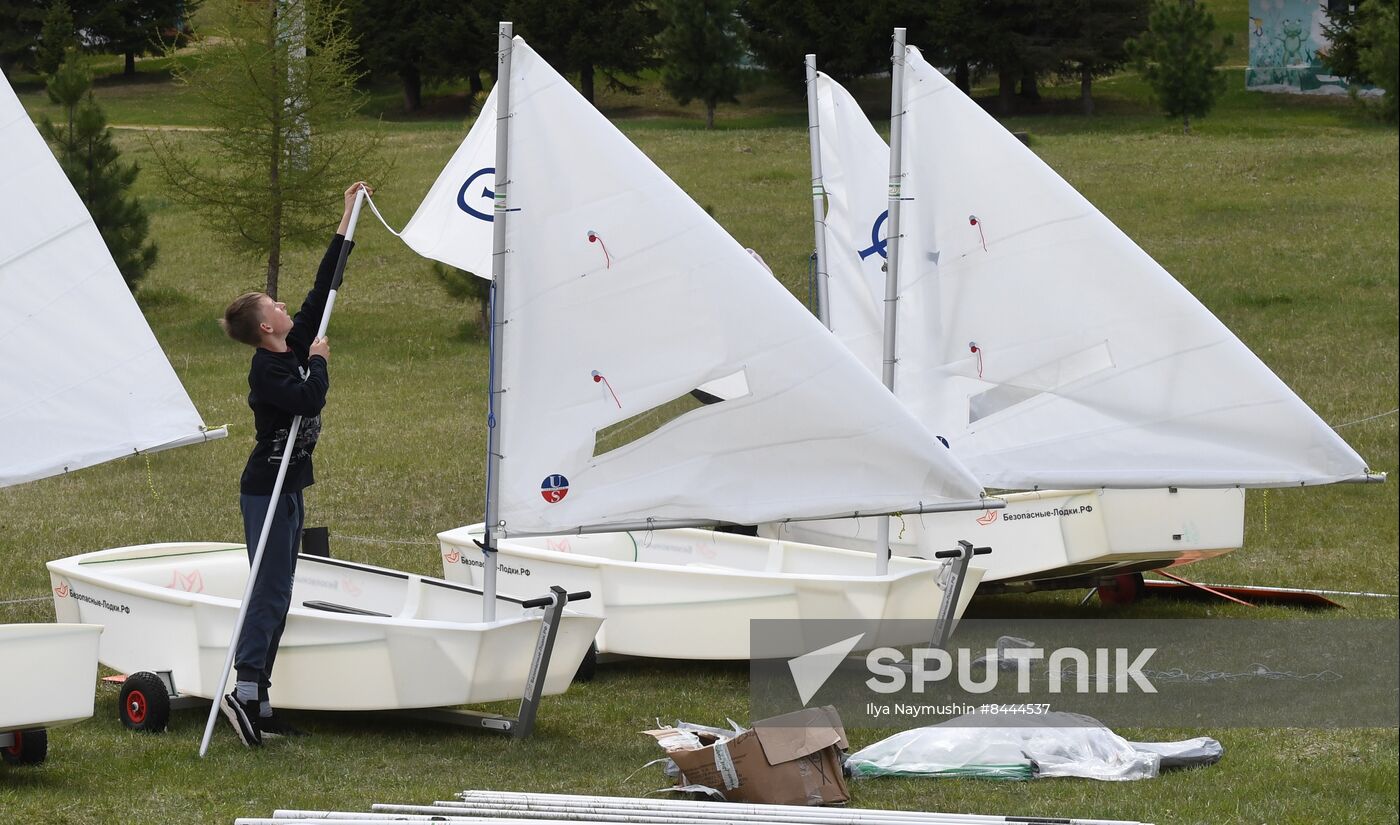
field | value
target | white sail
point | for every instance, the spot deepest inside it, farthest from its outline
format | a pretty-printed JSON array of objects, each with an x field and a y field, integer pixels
[
  {"x": 82, "y": 378},
  {"x": 855, "y": 168},
  {"x": 1092, "y": 366},
  {"x": 622, "y": 296},
  {"x": 453, "y": 223}
]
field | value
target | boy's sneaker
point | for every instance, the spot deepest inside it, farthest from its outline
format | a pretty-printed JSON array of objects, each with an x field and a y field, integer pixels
[
  {"x": 243, "y": 716},
  {"x": 275, "y": 725}
]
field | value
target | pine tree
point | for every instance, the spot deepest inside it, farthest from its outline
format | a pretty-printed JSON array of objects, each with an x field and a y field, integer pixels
[
  {"x": 849, "y": 39},
  {"x": 609, "y": 37},
  {"x": 58, "y": 36},
  {"x": 83, "y": 144},
  {"x": 20, "y": 24},
  {"x": 700, "y": 52},
  {"x": 419, "y": 41},
  {"x": 1378, "y": 37},
  {"x": 1092, "y": 39},
  {"x": 133, "y": 27},
  {"x": 1177, "y": 56}
]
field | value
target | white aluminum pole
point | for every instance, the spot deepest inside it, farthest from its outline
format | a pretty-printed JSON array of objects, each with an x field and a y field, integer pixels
[
  {"x": 731, "y": 809},
  {"x": 504, "y": 39},
  {"x": 818, "y": 191},
  {"x": 734, "y": 807},
  {"x": 882, "y": 535},
  {"x": 648, "y": 813},
  {"x": 356, "y": 818},
  {"x": 277, "y": 489}
]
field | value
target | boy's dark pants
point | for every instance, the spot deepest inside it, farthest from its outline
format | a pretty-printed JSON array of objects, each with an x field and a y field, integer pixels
[{"x": 272, "y": 593}]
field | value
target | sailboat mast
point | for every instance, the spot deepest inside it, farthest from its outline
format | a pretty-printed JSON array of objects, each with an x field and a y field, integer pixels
[
  {"x": 504, "y": 37},
  {"x": 818, "y": 191},
  {"x": 882, "y": 539}
]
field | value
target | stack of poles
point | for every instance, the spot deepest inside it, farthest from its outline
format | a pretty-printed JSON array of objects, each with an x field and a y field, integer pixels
[
  {"x": 482, "y": 807},
  {"x": 277, "y": 487}
]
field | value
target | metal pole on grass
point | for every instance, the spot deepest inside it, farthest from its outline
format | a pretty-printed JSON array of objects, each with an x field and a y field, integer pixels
[
  {"x": 882, "y": 536},
  {"x": 650, "y": 814},
  {"x": 818, "y": 191},
  {"x": 727, "y": 810},
  {"x": 277, "y": 488},
  {"x": 504, "y": 37}
]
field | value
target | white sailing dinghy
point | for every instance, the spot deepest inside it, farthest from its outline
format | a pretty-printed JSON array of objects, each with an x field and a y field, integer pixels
[
  {"x": 84, "y": 382},
  {"x": 358, "y": 637},
  {"x": 623, "y": 302},
  {"x": 1049, "y": 350},
  {"x": 87, "y": 382}
]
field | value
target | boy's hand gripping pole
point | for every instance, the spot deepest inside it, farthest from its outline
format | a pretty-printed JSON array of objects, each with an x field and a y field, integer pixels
[{"x": 277, "y": 490}]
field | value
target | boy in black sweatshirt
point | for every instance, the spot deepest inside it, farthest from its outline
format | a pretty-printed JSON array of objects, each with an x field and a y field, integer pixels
[{"x": 288, "y": 378}]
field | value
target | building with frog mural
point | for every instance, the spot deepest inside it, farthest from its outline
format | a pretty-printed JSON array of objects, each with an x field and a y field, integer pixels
[{"x": 1288, "y": 48}]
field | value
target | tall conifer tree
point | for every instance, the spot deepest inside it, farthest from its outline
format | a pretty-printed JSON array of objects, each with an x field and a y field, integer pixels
[
  {"x": 83, "y": 144},
  {"x": 1178, "y": 56}
]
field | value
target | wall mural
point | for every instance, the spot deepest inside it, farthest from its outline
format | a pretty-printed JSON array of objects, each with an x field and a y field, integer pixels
[{"x": 1287, "y": 48}]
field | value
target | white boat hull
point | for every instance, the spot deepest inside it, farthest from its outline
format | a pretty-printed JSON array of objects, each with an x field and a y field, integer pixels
[
  {"x": 172, "y": 607},
  {"x": 50, "y": 674},
  {"x": 1044, "y": 537},
  {"x": 690, "y": 594}
]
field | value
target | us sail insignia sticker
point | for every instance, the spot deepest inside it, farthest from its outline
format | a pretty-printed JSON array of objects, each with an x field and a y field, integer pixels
[{"x": 554, "y": 488}]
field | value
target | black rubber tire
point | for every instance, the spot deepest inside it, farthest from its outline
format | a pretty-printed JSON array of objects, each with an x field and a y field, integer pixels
[
  {"x": 588, "y": 668},
  {"x": 144, "y": 703},
  {"x": 30, "y": 747}
]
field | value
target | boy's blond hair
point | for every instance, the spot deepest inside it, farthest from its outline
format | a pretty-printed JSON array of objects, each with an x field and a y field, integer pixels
[{"x": 243, "y": 318}]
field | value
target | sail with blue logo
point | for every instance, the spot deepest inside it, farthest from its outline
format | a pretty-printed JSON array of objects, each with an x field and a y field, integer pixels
[
  {"x": 453, "y": 223},
  {"x": 1038, "y": 338},
  {"x": 654, "y": 371}
]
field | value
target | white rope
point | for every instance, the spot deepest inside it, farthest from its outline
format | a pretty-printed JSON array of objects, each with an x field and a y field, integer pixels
[
  {"x": 1368, "y": 418},
  {"x": 26, "y": 601},
  {"x": 375, "y": 210}
]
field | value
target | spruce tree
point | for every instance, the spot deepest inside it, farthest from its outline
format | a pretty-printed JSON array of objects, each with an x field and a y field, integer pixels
[
  {"x": 83, "y": 144},
  {"x": 1178, "y": 55},
  {"x": 700, "y": 52}
]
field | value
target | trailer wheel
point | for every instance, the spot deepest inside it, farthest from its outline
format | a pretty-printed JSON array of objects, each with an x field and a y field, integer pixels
[
  {"x": 144, "y": 703},
  {"x": 588, "y": 668},
  {"x": 29, "y": 748},
  {"x": 1118, "y": 591}
]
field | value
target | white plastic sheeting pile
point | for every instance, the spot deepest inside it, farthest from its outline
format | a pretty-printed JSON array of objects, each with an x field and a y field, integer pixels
[{"x": 989, "y": 746}]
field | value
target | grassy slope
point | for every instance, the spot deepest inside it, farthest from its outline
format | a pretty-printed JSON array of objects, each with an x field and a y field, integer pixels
[{"x": 1279, "y": 214}]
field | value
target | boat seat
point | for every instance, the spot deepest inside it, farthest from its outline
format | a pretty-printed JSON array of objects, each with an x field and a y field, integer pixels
[{"x": 331, "y": 607}]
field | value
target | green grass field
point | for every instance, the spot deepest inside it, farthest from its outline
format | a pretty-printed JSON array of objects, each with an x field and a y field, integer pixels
[{"x": 1279, "y": 214}]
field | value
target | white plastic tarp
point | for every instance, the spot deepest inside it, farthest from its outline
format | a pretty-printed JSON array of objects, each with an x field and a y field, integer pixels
[
  {"x": 621, "y": 296},
  {"x": 82, "y": 378},
  {"x": 991, "y": 746}
]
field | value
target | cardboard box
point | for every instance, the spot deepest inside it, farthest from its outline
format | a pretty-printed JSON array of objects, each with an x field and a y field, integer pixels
[{"x": 793, "y": 759}]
